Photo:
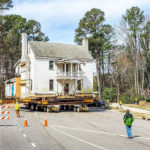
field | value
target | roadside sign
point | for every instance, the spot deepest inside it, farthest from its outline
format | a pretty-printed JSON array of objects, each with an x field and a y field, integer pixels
[{"x": 4, "y": 112}]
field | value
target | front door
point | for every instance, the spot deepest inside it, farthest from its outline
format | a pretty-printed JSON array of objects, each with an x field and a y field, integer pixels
[{"x": 66, "y": 88}]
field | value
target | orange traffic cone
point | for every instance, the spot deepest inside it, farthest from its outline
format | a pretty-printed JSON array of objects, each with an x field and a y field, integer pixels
[
  {"x": 25, "y": 123},
  {"x": 45, "y": 122}
]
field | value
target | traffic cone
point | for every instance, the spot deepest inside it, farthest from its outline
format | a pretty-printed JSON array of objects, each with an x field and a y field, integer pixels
[
  {"x": 25, "y": 123},
  {"x": 45, "y": 122}
]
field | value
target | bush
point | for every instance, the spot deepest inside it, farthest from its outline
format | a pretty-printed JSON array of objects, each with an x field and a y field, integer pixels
[
  {"x": 109, "y": 93},
  {"x": 140, "y": 97},
  {"x": 128, "y": 99},
  {"x": 125, "y": 98},
  {"x": 148, "y": 99}
]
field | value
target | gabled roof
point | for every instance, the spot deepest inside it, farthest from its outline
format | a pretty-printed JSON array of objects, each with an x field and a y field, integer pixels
[
  {"x": 17, "y": 63},
  {"x": 56, "y": 50}
]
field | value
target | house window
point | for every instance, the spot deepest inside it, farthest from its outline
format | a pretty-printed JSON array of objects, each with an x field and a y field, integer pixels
[
  {"x": 31, "y": 85},
  {"x": 51, "y": 85},
  {"x": 51, "y": 65},
  {"x": 79, "y": 85}
]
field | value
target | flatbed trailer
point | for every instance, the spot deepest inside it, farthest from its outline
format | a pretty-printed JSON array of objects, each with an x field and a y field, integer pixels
[{"x": 54, "y": 104}]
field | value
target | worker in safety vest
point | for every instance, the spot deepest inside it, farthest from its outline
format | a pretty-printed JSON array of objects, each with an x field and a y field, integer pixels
[
  {"x": 128, "y": 120},
  {"x": 17, "y": 108},
  {"x": 120, "y": 103}
]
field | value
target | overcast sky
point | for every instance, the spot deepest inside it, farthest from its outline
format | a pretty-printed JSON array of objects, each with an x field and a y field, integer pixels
[{"x": 60, "y": 18}]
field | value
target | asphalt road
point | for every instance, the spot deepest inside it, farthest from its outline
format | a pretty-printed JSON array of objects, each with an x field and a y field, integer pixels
[{"x": 98, "y": 129}]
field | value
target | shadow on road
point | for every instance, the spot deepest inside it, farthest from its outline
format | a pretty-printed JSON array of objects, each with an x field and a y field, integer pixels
[{"x": 8, "y": 125}]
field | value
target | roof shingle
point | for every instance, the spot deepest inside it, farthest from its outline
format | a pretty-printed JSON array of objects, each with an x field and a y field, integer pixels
[{"x": 56, "y": 50}]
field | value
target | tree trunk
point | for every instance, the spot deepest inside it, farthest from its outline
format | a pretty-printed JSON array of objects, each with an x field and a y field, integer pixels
[
  {"x": 137, "y": 78},
  {"x": 135, "y": 81},
  {"x": 98, "y": 77},
  {"x": 143, "y": 78},
  {"x": 108, "y": 63},
  {"x": 118, "y": 92}
]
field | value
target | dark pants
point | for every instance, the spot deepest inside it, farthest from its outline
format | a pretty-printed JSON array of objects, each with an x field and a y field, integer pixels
[{"x": 17, "y": 113}]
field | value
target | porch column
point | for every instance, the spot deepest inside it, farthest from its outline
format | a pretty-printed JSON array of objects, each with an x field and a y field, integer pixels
[
  {"x": 71, "y": 69},
  {"x": 65, "y": 69},
  {"x": 57, "y": 87},
  {"x": 82, "y": 89},
  {"x": 63, "y": 88},
  {"x": 57, "y": 69},
  {"x": 78, "y": 70}
]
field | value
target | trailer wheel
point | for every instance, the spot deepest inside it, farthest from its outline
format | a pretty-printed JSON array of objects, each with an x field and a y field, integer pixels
[
  {"x": 45, "y": 109},
  {"x": 37, "y": 108},
  {"x": 57, "y": 108},
  {"x": 87, "y": 109},
  {"x": 32, "y": 108},
  {"x": 75, "y": 109},
  {"x": 49, "y": 109},
  {"x": 26, "y": 106},
  {"x": 78, "y": 109}
]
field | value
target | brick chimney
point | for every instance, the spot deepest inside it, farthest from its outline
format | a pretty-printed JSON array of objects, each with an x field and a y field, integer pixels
[
  {"x": 85, "y": 43},
  {"x": 24, "y": 46}
]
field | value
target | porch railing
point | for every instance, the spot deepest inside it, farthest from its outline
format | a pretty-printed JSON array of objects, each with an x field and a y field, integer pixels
[{"x": 70, "y": 74}]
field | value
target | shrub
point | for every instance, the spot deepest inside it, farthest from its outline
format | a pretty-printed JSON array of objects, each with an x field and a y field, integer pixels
[
  {"x": 109, "y": 93},
  {"x": 148, "y": 99},
  {"x": 125, "y": 98}
]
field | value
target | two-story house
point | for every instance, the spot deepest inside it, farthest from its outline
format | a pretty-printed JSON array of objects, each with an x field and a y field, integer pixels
[{"x": 52, "y": 69}]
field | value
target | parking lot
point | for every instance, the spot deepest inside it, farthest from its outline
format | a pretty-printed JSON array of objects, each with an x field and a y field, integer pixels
[{"x": 97, "y": 129}]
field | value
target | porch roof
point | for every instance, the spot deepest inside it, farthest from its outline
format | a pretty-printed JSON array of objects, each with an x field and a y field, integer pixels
[{"x": 71, "y": 60}]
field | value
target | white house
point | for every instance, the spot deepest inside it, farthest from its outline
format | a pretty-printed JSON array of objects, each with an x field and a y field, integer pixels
[{"x": 54, "y": 69}]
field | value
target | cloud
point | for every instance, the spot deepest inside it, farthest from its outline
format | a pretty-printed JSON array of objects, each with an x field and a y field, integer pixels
[{"x": 59, "y": 18}]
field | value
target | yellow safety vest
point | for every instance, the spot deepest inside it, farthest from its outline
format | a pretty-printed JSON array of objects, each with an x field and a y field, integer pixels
[
  {"x": 17, "y": 107},
  {"x": 120, "y": 102}
]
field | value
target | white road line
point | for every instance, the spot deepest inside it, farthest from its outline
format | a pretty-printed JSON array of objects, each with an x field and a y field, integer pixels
[
  {"x": 101, "y": 132},
  {"x": 24, "y": 135},
  {"x": 89, "y": 131},
  {"x": 33, "y": 144},
  {"x": 143, "y": 138},
  {"x": 37, "y": 117},
  {"x": 81, "y": 140},
  {"x": 74, "y": 136}
]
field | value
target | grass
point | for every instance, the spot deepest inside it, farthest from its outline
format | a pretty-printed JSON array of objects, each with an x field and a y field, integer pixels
[
  {"x": 146, "y": 107},
  {"x": 136, "y": 115}
]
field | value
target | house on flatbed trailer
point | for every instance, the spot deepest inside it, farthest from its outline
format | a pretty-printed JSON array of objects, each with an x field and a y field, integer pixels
[{"x": 51, "y": 69}]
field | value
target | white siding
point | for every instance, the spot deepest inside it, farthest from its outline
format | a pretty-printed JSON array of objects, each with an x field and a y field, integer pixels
[
  {"x": 43, "y": 75},
  {"x": 8, "y": 89},
  {"x": 88, "y": 81},
  {"x": 32, "y": 71},
  {"x": 17, "y": 69}
]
